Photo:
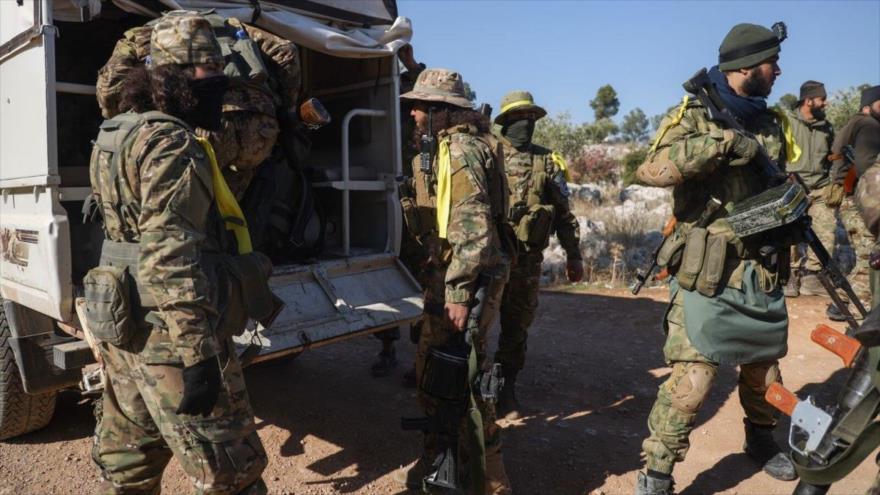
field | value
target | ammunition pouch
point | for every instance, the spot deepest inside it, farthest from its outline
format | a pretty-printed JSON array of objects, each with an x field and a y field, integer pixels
[
  {"x": 419, "y": 219},
  {"x": 108, "y": 304},
  {"x": 534, "y": 227},
  {"x": 445, "y": 376},
  {"x": 669, "y": 254},
  {"x": 714, "y": 261},
  {"x": 692, "y": 258}
]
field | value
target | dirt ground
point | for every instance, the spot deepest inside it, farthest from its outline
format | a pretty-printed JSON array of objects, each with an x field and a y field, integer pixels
[{"x": 593, "y": 368}]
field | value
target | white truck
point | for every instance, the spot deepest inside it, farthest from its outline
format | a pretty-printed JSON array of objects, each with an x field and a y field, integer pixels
[{"x": 50, "y": 52}]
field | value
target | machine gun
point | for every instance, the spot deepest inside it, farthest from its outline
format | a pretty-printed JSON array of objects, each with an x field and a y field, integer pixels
[
  {"x": 451, "y": 378},
  {"x": 828, "y": 444}
]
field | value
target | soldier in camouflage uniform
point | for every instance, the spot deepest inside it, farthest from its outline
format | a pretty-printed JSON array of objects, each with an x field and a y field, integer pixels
[
  {"x": 538, "y": 207},
  {"x": 175, "y": 386},
  {"x": 265, "y": 78},
  {"x": 462, "y": 204},
  {"x": 862, "y": 132},
  {"x": 868, "y": 201},
  {"x": 813, "y": 136},
  {"x": 726, "y": 302}
]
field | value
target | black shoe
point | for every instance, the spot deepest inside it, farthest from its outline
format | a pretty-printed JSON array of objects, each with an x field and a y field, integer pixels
[
  {"x": 649, "y": 485},
  {"x": 409, "y": 378},
  {"x": 834, "y": 314},
  {"x": 762, "y": 448},
  {"x": 385, "y": 362}
]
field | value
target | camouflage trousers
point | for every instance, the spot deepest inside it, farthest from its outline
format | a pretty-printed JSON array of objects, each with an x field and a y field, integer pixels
[
  {"x": 679, "y": 398},
  {"x": 825, "y": 225},
  {"x": 862, "y": 243},
  {"x": 435, "y": 332},
  {"x": 140, "y": 429},
  {"x": 518, "y": 306},
  {"x": 244, "y": 142}
]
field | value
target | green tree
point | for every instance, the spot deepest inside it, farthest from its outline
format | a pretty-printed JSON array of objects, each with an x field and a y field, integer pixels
[
  {"x": 787, "y": 100},
  {"x": 635, "y": 126},
  {"x": 844, "y": 104},
  {"x": 599, "y": 130},
  {"x": 605, "y": 105},
  {"x": 560, "y": 134}
]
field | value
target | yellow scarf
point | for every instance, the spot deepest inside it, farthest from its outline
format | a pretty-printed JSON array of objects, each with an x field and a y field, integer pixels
[
  {"x": 792, "y": 150},
  {"x": 444, "y": 187},
  {"x": 226, "y": 203},
  {"x": 560, "y": 162}
]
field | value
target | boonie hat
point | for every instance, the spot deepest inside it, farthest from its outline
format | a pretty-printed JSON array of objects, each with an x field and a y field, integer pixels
[
  {"x": 184, "y": 37},
  {"x": 440, "y": 85},
  {"x": 519, "y": 102}
]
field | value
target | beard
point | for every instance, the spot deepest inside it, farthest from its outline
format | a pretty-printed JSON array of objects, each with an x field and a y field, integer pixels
[
  {"x": 757, "y": 86},
  {"x": 819, "y": 113}
]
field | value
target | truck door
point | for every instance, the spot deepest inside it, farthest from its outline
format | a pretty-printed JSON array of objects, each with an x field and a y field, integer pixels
[{"x": 35, "y": 268}]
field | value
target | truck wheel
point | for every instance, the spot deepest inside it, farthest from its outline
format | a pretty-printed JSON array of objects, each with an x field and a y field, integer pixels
[{"x": 20, "y": 412}]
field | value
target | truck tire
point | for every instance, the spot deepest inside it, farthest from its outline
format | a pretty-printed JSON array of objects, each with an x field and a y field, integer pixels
[{"x": 20, "y": 412}]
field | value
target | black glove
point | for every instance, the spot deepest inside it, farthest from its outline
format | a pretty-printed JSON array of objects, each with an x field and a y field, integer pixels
[{"x": 201, "y": 387}]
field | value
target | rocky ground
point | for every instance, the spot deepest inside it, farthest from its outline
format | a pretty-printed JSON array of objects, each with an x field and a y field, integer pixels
[{"x": 593, "y": 369}]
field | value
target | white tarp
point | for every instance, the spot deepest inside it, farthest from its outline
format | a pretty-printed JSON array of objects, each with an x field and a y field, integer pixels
[{"x": 331, "y": 37}]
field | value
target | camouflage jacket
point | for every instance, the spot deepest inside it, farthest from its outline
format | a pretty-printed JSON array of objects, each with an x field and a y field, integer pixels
[
  {"x": 551, "y": 187},
  {"x": 163, "y": 199},
  {"x": 280, "y": 57},
  {"x": 814, "y": 139},
  {"x": 472, "y": 243},
  {"x": 868, "y": 198},
  {"x": 701, "y": 153}
]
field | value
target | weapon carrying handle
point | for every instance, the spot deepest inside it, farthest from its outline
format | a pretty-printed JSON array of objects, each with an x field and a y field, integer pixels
[
  {"x": 779, "y": 397},
  {"x": 846, "y": 348}
]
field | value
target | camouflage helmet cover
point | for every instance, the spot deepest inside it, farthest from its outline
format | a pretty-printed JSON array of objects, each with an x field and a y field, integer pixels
[
  {"x": 440, "y": 85},
  {"x": 518, "y": 103},
  {"x": 183, "y": 37}
]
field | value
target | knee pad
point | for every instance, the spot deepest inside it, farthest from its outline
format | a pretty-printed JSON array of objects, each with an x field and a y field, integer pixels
[
  {"x": 692, "y": 386},
  {"x": 759, "y": 376}
]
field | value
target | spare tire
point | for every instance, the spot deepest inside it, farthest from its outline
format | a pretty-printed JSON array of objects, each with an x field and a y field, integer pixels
[{"x": 20, "y": 412}]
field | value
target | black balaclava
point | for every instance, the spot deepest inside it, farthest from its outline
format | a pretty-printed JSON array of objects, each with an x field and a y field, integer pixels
[
  {"x": 209, "y": 110},
  {"x": 519, "y": 132}
]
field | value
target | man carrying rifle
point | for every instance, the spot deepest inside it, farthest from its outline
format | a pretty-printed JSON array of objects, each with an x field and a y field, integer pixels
[
  {"x": 726, "y": 299},
  {"x": 538, "y": 208},
  {"x": 810, "y": 159},
  {"x": 461, "y": 186},
  {"x": 862, "y": 132}
]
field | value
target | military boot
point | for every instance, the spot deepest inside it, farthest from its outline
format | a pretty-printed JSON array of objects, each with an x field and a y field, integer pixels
[
  {"x": 833, "y": 313},
  {"x": 810, "y": 285},
  {"x": 497, "y": 482},
  {"x": 762, "y": 448},
  {"x": 507, "y": 404},
  {"x": 385, "y": 362},
  {"x": 649, "y": 485},
  {"x": 792, "y": 288}
]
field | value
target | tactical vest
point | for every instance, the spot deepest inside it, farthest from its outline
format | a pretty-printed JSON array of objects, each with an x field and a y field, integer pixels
[
  {"x": 529, "y": 215},
  {"x": 419, "y": 199}
]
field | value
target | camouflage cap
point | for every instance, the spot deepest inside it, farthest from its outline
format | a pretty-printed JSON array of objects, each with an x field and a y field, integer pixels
[
  {"x": 519, "y": 103},
  {"x": 747, "y": 45},
  {"x": 441, "y": 85},
  {"x": 184, "y": 37}
]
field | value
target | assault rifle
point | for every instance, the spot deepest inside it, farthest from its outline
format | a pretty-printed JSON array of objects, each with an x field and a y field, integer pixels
[
  {"x": 830, "y": 275},
  {"x": 449, "y": 379}
]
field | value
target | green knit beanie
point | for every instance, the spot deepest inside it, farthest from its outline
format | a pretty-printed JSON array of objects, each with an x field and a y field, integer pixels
[{"x": 747, "y": 45}]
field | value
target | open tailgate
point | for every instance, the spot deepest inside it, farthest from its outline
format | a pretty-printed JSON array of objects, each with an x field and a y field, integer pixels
[{"x": 333, "y": 300}]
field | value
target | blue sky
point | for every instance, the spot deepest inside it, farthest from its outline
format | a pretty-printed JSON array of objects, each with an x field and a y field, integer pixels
[{"x": 562, "y": 51}]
